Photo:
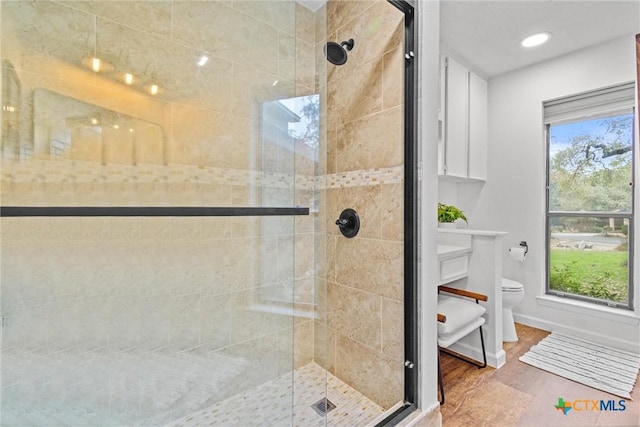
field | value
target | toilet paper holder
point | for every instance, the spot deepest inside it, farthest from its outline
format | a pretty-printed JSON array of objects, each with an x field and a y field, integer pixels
[{"x": 524, "y": 245}]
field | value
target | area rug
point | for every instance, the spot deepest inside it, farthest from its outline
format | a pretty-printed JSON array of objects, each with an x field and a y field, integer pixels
[{"x": 604, "y": 368}]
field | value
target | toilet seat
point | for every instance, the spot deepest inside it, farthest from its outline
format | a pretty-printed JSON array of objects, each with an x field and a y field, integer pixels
[{"x": 509, "y": 285}]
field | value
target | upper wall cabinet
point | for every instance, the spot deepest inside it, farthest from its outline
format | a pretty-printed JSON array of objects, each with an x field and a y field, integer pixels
[{"x": 463, "y": 123}]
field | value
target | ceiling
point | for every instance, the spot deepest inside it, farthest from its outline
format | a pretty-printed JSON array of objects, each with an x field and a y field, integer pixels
[{"x": 487, "y": 34}]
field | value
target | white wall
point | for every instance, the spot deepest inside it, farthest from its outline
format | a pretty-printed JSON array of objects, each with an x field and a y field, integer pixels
[
  {"x": 428, "y": 27},
  {"x": 513, "y": 197}
]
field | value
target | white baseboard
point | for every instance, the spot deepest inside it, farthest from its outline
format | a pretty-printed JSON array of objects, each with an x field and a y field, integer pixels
[
  {"x": 576, "y": 332},
  {"x": 495, "y": 360}
]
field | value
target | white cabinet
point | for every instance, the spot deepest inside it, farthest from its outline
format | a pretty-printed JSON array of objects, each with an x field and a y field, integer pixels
[
  {"x": 454, "y": 248},
  {"x": 477, "y": 139},
  {"x": 452, "y": 267},
  {"x": 463, "y": 127}
]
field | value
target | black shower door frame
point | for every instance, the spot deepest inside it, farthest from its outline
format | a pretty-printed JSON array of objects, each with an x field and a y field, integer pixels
[{"x": 411, "y": 343}]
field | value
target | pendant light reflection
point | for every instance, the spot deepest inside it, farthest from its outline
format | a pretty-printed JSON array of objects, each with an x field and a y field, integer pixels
[
  {"x": 203, "y": 60},
  {"x": 95, "y": 64},
  {"x": 109, "y": 71}
]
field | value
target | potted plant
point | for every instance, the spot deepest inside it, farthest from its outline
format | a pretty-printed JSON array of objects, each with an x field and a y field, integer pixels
[{"x": 448, "y": 214}]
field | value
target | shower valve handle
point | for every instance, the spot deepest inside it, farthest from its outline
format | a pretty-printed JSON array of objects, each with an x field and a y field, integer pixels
[
  {"x": 342, "y": 221},
  {"x": 349, "y": 223}
]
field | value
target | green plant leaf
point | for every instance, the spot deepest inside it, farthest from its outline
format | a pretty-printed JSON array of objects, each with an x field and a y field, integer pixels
[{"x": 450, "y": 213}]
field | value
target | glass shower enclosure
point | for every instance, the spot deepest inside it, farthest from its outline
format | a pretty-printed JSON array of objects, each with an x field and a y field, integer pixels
[{"x": 171, "y": 176}]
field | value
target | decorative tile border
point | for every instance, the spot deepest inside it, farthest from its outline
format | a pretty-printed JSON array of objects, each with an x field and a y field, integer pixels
[
  {"x": 74, "y": 172},
  {"x": 360, "y": 178},
  {"x": 77, "y": 172}
]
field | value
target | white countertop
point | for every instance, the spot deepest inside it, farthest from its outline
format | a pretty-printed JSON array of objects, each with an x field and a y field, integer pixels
[{"x": 472, "y": 232}]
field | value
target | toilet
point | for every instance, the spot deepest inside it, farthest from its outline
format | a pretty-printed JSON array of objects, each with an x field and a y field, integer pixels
[{"x": 512, "y": 294}]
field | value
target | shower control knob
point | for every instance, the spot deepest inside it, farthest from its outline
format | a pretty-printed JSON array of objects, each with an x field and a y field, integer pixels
[{"x": 349, "y": 223}]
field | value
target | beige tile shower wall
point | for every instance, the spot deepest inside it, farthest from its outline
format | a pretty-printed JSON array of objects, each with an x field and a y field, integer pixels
[{"x": 360, "y": 336}]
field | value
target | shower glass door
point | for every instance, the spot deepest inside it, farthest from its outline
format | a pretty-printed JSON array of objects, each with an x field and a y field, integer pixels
[
  {"x": 361, "y": 280},
  {"x": 157, "y": 255}
]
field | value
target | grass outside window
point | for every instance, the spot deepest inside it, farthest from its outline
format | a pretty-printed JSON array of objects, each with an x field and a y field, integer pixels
[{"x": 602, "y": 275}]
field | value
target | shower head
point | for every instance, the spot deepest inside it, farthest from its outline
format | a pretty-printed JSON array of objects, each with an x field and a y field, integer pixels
[{"x": 337, "y": 53}]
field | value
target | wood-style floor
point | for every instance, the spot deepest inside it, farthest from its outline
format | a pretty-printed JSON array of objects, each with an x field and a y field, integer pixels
[{"x": 520, "y": 395}]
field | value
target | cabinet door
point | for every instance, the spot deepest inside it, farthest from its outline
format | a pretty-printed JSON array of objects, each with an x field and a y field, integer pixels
[
  {"x": 477, "y": 128},
  {"x": 456, "y": 119},
  {"x": 441, "y": 108}
]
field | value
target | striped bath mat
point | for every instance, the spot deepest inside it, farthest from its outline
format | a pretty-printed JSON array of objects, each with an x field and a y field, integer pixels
[{"x": 594, "y": 365}]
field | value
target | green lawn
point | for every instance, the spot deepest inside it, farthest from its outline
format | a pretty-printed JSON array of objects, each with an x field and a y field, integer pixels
[{"x": 595, "y": 274}]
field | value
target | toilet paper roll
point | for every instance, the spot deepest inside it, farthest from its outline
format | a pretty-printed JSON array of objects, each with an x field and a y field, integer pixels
[{"x": 517, "y": 253}]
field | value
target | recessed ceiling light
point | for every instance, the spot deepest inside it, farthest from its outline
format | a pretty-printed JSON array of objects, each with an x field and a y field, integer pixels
[{"x": 535, "y": 39}]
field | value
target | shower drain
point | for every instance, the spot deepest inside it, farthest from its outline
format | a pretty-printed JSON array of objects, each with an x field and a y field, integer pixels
[{"x": 323, "y": 406}]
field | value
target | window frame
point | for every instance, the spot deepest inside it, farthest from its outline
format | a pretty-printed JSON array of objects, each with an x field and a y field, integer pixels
[{"x": 547, "y": 123}]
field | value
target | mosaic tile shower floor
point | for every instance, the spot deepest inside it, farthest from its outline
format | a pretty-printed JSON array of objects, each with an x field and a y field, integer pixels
[
  {"x": 126, "y": 389},
  {"x": 270, "y": 404}
]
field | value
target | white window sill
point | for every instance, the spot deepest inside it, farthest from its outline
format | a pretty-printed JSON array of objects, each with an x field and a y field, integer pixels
[{"x": 594, "y": 310}]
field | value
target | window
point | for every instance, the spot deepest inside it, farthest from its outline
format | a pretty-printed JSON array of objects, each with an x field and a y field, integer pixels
[{"x": 590, "y": 178}]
